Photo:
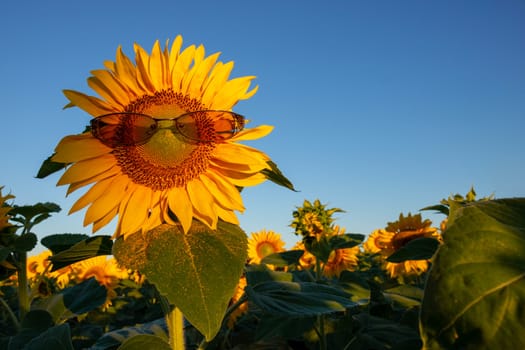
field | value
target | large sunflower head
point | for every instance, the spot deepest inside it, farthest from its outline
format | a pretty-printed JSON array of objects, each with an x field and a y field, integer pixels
[
  {"x": 263, "y": 243},
  {"x": 164, "y": 143},
  {"x": 397, "y": 234}
]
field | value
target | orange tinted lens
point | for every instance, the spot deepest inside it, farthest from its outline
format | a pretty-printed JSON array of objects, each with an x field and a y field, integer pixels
[
  {"x": 123, "y": 129},
  {"x": 226, "y": 124}
]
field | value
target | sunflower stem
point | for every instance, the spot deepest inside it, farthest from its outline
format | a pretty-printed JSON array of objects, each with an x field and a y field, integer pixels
[
  {"x": 320, "y": 318},
  {"x": 175, "y": 320},
  {"x": 23, "y": 295}
]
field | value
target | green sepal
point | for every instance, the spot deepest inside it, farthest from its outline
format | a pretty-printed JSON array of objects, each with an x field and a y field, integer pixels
[
  {"x": 275, "y": 175},
  {"x": 49, "y": 167}
]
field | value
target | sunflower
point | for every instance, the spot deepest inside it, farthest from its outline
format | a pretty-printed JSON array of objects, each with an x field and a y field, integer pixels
[
  {"x": 242, "y": 308},
  {"x": 263, "y": 243},
  {"x": 104, "y": 270},
  {"x": 397, "y": 234},
  {"x": 173, "y": 176},
  {"x": 345, "y": 259}
]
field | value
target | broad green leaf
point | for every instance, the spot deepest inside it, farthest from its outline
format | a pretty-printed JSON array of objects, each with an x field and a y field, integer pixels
[
  {"x": 405, "y": 295},
  {"x": 59, "y": 242},
  {"x": 56, "y": 338},
  {"x": 422, "y": 248},
  {"x": 34, "y": 323},
  {"x": 271, "y": 326},
  {"x": 113, "y": 339},
  {"x": 276, "y": 176},
  {"x": 49, "y": 167},
  {"x": 348, "y": 240},
  {"x": 197, "y": 271},
  {"x": 296, "y": 299},
  {"x": 144, "y": 342},
  {"x": 30, "y": 211},
  {"x": 72, "y": 301},
  {"x": 283, "y": 259},
  {"x": 25, "y": 242},
  {"x": 256, "y": 274},
  {"x": 88, "y": 248},
  {"x": 475, "y": 290}
]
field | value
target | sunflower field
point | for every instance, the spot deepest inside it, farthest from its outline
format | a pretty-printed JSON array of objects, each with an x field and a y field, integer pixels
[
  {"x": 164, "y": 156},
  {"x": 408, "y": 285}
]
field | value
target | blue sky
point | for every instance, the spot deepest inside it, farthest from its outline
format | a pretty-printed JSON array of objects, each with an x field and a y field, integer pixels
[{"x": 379, "y": 107}]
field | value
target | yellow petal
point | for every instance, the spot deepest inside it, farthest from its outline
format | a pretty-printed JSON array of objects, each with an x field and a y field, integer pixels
[
  {"x": 90, "y": 104},
  {"x": 180, "y": 204},
  {"x": 107, "y": 201},
  {"x": 215, "y": 81},
  {"x": 227, "y": 215},
  {"x": 241, "y": 154},
  {"x": 181, "y": 66},
  {"x": 109, "y": 88},
  {"x": 137, "y": 209},
  {"x": 201, "y": 72},
  {"x": 86, "y": 169},
  {"x": 240, "y": 179},
  {"x": 142, "y": 72},
  {"x": 79, "y": 184},
  {"x": 126, "y": 73},
  {"x": 252, "y": 133},
  {"x": 106, "y": 219},
  {"x": 157, "y": 67},
  {"x": 91, "y": 195},
  {"x": 202, "y": 203},
  {"x": 225, "y": 193},
  {"x": 233, "y": 91},
  {"x": 174, "y": 52},
  {"x": 73, "y": 148}
]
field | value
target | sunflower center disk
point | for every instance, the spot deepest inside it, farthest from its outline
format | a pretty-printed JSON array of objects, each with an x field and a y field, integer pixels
[{"x": 168, "y": 159}]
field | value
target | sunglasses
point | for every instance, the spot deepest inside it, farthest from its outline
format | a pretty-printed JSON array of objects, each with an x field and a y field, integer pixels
[{"x": 132, "y": 129}]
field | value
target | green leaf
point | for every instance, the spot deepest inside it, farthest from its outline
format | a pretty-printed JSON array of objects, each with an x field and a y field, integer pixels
[
  {"x": 283, "y": 259},
  {"x": 60, "y": 242},
  {"x": 296, "y": 299},
  {"x": 88, "y": 248},
  {"x": 84, "y": 296},
  {"x": 348, "y": 240},
  {"x": 405, "y": 295},
  {"x": 25, "y": 242},
  {"x": 30, "y": 211},
  {"x": 113, "y": 339},
  {"x": 440, "y": 208},
  {"x": 56, "y": 338},
  {"x": 418, "y": 249},
  {"x": 197, "y": 271},
  {"x": 34, "y": 323},
  {"x": 276, "y": 176},
  {"x": 144, "y": 342},
  {"x": 49, "y": 167},
  {"x": 476, "y": 287}
]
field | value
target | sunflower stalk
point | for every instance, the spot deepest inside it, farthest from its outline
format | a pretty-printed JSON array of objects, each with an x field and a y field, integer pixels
[
  {"x": 320, "y": 318},
  {"x": 175, "y": 321}
]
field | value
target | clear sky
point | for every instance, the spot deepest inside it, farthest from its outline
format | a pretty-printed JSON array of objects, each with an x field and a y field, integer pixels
[{"x": 379, "y": 107}]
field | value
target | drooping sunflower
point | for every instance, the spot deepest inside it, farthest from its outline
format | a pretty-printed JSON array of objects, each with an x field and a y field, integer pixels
[
  {"x": 155, "y": 155},
  {"x": 397, "y": 234},
  {"x": 263, "y": 243}
]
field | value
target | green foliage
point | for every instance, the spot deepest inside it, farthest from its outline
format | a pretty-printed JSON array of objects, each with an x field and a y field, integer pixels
[
  {"x": 49, "y": 167},
  {"x": 418, "y": 249},
  {"x": 475, "y": 291},
  {"x": 144, "y": 341},
  {"x": 85, "y": 249},
  {"x": 201, "y": 271},
  {"x": 275, "y": 175}
]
